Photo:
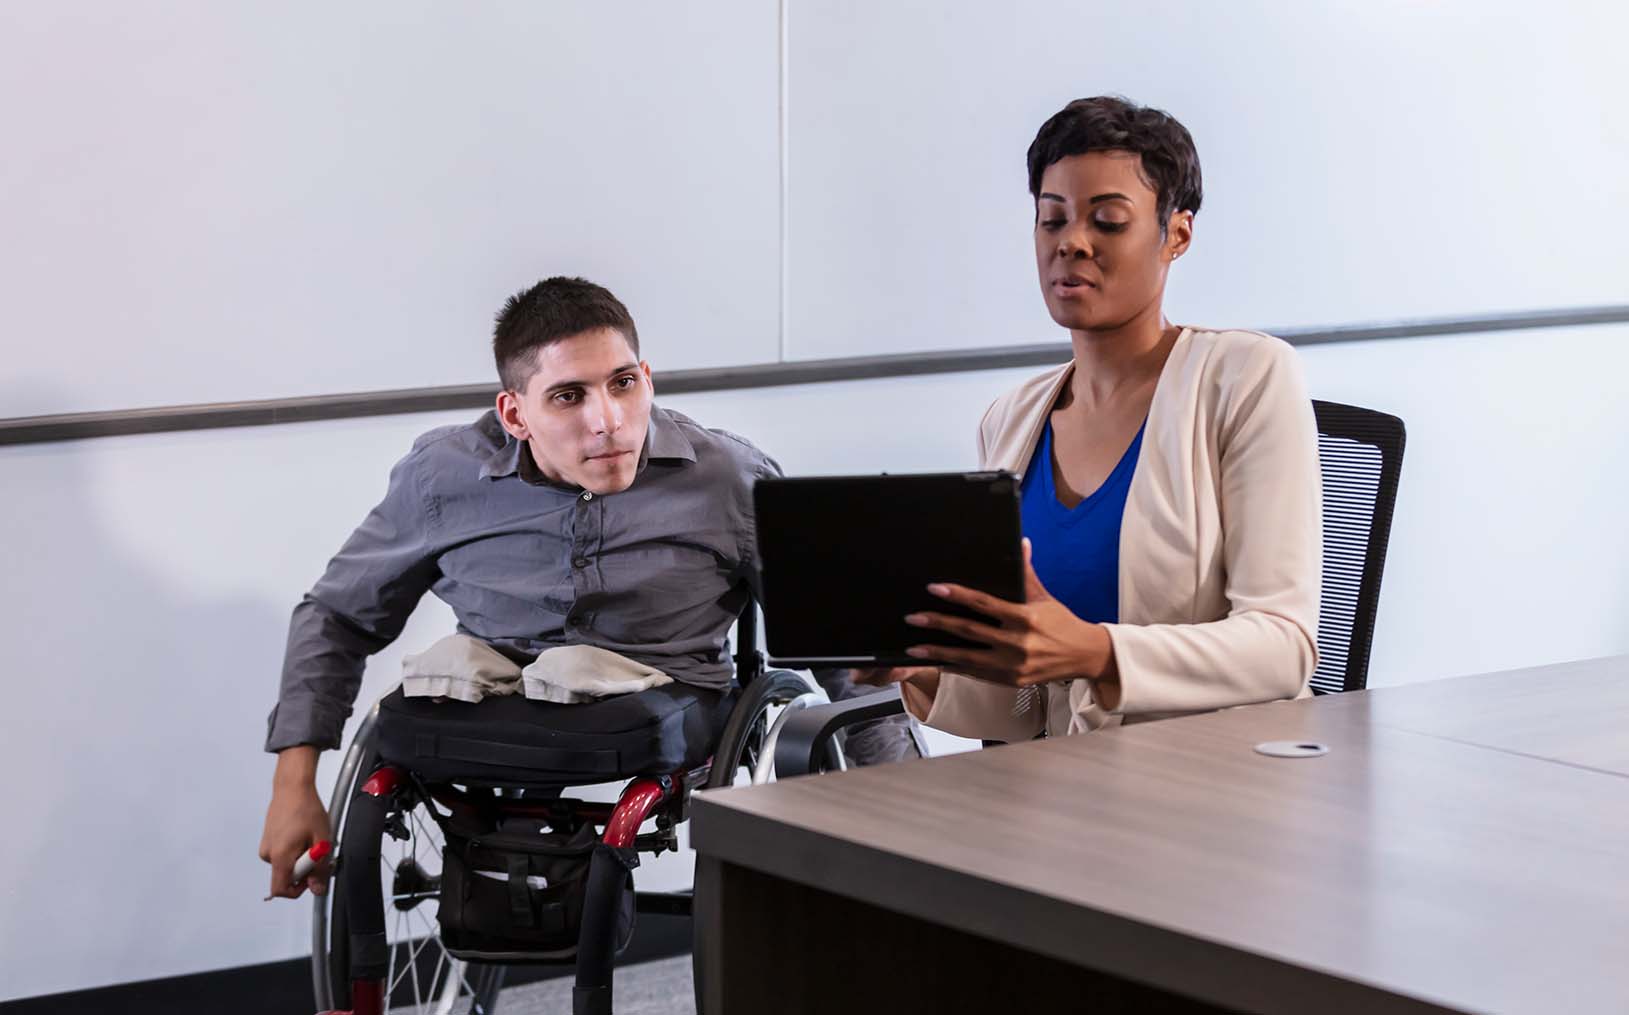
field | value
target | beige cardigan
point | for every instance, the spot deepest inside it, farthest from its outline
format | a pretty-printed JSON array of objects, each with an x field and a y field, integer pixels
[{"x": 1220, "y": 547}]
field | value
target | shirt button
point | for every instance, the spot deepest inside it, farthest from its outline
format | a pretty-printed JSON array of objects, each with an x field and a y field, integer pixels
[
  {"x": 580, "y": 562},
  {"x": 588, "y": 495}
]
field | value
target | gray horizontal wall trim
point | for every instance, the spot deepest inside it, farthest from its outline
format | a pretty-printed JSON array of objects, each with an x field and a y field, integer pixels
[{"x": 77, "y": 426}]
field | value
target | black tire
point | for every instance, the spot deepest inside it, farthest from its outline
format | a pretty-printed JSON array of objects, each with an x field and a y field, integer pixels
[
  {"x": 743, "y": 736},
  {"x": 358, "y": 823}
]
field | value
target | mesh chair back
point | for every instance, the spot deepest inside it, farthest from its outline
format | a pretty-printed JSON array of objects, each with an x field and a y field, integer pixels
[{"x": 1360, "y": 454}]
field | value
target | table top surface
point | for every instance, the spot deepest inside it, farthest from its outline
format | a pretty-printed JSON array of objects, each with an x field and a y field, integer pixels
[
  {"x": 1463, "y": 845},
  {"x": 1574, "y": 713}
]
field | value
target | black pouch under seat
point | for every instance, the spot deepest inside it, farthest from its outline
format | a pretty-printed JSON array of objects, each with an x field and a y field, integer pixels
[{"x": 515, "y": 890}]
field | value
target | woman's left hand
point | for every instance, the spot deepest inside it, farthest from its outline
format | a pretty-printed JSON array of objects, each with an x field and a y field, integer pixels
[{"x": 1033, "y": 642}]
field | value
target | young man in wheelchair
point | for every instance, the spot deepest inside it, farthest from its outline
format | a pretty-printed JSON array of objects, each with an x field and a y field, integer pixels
[{"x": 575, "y": 513}]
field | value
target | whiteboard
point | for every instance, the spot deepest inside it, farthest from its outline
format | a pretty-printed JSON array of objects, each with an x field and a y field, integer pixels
[
  {"x": 207, "y": 202},
  {"x": 1362, "y": 162}
]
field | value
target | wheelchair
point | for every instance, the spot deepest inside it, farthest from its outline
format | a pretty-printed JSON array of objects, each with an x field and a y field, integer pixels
[{"x": 459, "y": 854}]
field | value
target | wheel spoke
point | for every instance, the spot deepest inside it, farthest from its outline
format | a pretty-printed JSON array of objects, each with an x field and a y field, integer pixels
[
  {"x": 417, "y": 821},
  {"x": 429, "y": 932},
  {"x": 428, "y": 835},
  {"x": 413, "y": 964},
  {"x": 437, "y": 989},
  {"x": 432, "y": 937},
  {"x": 405, "y": 942},
  {"x": 455, "y": 967},
  {"x": 390, "y": 972},
  {"x": 462, "y": 968}
]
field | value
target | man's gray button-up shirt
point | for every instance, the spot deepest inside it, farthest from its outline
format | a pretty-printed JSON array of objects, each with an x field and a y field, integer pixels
[{"x": 657, "y": 572}]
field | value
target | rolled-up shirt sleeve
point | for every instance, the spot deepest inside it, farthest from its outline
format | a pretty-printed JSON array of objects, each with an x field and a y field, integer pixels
[{"x": 359, "y": 606}]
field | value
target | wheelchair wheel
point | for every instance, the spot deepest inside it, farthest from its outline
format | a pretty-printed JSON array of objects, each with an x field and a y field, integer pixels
[
  {"x": 423, "y": 979},
  {"x": 741, "y": 747}
]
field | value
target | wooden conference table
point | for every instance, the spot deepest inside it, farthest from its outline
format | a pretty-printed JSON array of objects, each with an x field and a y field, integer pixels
[{"x": 1462, "y": 846}]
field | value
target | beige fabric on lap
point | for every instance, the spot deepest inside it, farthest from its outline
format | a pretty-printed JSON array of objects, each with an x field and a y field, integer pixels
[
  {"x": 576, "y": 673},
  {"x": 459, "y": 667}
]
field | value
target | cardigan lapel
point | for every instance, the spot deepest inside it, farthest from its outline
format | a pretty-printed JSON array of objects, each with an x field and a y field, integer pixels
[{"x": 1013, "y": 447}]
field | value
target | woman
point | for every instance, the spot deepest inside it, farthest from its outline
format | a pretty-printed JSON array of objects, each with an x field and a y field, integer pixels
[{"x": 1171, "y": 499}]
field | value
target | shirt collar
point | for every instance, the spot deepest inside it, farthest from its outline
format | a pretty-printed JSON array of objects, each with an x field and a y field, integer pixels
[
  {"x": 664, "y": 441},
  {"x": 503, "y": 454}
]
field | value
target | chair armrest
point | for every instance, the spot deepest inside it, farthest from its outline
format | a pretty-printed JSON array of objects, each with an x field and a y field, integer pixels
[{"x": 807, "y": 734}]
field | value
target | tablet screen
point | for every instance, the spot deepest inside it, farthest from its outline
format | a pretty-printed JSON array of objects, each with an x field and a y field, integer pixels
[{"x": 845, "y": 558}]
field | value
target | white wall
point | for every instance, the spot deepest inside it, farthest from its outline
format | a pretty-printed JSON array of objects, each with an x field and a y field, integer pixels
[
  {"x": 149, "y": 579},
  {"x": 1509, "y": 547},
  {"x": 209, "y": 202},
  {"x": 1378, "y": 160},
  {"x": 220, "y": 202}
]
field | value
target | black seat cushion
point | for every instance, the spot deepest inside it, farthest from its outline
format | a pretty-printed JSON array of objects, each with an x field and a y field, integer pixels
[{"x": 514, "y": 741}]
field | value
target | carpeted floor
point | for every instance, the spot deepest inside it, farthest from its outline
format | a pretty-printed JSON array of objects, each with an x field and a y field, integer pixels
[{"x": 662, "y": 987}]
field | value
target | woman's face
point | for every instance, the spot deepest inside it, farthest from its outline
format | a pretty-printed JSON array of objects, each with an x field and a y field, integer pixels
[{"x": 1098, "y": 244}]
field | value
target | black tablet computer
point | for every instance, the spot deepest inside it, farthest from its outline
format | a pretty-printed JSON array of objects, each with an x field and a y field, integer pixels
[{"x": 845, "y": 558}]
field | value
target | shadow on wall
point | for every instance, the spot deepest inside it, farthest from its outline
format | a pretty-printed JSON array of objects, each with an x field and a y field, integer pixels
[{"x": 132, "y": 729}]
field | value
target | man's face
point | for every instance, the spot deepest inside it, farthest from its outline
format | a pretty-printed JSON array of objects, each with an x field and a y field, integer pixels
[{"x": 584, "y": 411}]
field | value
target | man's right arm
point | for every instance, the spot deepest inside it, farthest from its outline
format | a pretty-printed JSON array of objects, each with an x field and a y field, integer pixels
[
  {"x": 359, "y": 606},
  {"x": 295, "y": 820}
]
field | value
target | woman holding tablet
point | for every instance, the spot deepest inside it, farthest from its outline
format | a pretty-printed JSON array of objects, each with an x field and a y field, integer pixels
[{"x": 1171, "y": 496}]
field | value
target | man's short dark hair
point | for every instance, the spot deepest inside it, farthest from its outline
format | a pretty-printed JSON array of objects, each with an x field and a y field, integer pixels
[
  {"x": 1170, "y": 164},
  {"x": 555, "y": 308}
]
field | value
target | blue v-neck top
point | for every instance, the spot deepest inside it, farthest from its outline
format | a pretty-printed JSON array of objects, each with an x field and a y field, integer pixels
[{"x": 1076, "y": 551}]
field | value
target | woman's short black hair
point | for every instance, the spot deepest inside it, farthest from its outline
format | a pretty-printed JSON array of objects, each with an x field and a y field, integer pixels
[
  {"x": 555, "y": 308},
  {"x": 1111, "y": 123}
]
